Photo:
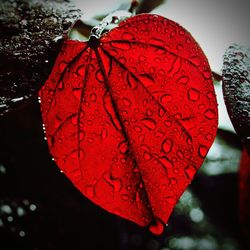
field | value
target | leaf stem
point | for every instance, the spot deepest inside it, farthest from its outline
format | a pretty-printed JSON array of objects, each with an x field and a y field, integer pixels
[{"x": 113, "y": 18}]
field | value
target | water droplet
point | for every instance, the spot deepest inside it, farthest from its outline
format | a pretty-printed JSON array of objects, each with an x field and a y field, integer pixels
[
  {"x": 201, "y": 106},
  {"x": 190, "y": 171},
  {"x": 173, "y": 181},
  {"x": 62, "y": 66},
  {"x": 74, "y": 119},
  {"x": 126, "y": 102},
  {"x": 145, "y": 102},
  {"x": 147, "y": 156},
  {"x": 90, "y": 139},
  {"x": 149, "y": 123},
  {"x": 180, "y": 154},
  {"x": 93, "y": 97},
  {"x": 203, "y": 151},
  {"x": 81, "y": 135},
  {"x": 179, "y": 47},
  {"x": 123, "y": 147},
  {"x": 138, "y": 129},
  {"x": 81, "y": 70},
  {"x": 183, "y": 80},
  {"x": 210, "y": 114},
  {"x": 147, "y": 80},
  {"x": 207, "y": 74},
  {"x": 127, "y": 36},
  {"x": 90, "y": 191},
  {"x": 209, "y": 137},
  {"x": 193, "y": 94},
  {"x": 166, "y": 98},
  {"x": 171, "y": 200},
  {"x": 121, "y": 45},
  {"x": 99, "y": 76},
  {"x": 149, "y": 112},
  {"x": 117, "y": 184},
  {"x": 167, "y": 145},
  {"x": 157, "y": 227},
  {"x": 161, "y": 112},
  {"x": 104, "y": 133},
  {"x": 125, "y": 197},
  {"x": 210, "y": 95},
  {"x": 165, "y": 162},
  {"x": 77, "y": 93},
  {"x": 195, "y": 60},
  {"x": 60, "y": 85},
  {"x": 168, "y": 123}
]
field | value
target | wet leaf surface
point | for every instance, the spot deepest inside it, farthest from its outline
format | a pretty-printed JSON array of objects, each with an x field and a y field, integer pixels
[
  {"x": 31, "y": 33},
  {"x": 130, "y": 118},
  {"x": 236, "y": 89}
]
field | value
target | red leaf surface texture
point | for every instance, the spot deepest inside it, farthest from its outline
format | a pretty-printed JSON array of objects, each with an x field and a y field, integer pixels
[{"x": 131, "y": 119}]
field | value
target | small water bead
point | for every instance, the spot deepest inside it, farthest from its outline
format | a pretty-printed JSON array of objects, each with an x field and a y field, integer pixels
[
  {"x": 165, "y": 162},
  {"x": 128, "y": 36},
  {"x": 126, "y": 102},
  {"x": 62, "y": 66},
  {"x": 173, "y": 182},
  {"x": 203, "y": 151},
  {"x": 179, "y": 47},
  {"x": 147, "y": 156},
  {"x": 142, "y": 58},
  {"x": 157, "y": 227},
  {"x": 90, "y": 139},
  {"x": 209, "y": 137},
  {"x": 168, "y": 123},
  {"x": 210, "y": 114},
  {"x": 93, "y": 97},
  {"x": 81, "y": 70},
  {"x": 123, "y": 147},
  {"x": 210, "y": 95},
  {"x": 125, "y": 197},
  {"x": 195, "y": 60},
  {"x": 149, "y": 112},
  {"x": 74, "y": 119},
  {"x": 161, "y": 112},
  {"x": 193, "y": 94},
  {"x": 171, "y": 200},
  {"x": 190, "y": 171},
  {"x": 81, "y": 135},
  {"x": 166, "y": 98},
  {"x": 104, "y": 133},
  {"x": 183, "y": 80},
  {"x": 99, "y": 76},
  {"x": 60, "y": 85},
  {"x": 90, "y": 191},
  {"x": 77, "y": 93},
  {"x": 167, "y": 145},
  {"x": 207, "y": 74},
  {"x": 149, "y": 123},
  {"x": 138, "y": 129},
  {"x": 121, "y": 45},
  {"x": 180, "y": 154}
]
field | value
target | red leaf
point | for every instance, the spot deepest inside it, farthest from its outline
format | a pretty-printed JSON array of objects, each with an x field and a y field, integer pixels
[{"x": 130, "y": 120}]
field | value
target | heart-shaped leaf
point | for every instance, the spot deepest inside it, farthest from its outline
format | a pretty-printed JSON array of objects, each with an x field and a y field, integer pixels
[{"x": 130, "y": 118}]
